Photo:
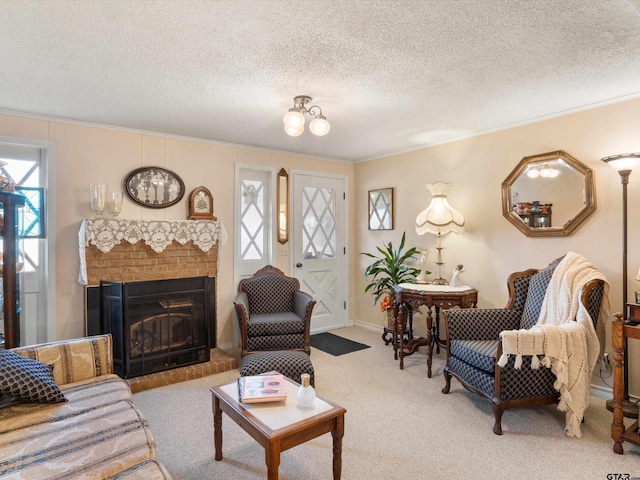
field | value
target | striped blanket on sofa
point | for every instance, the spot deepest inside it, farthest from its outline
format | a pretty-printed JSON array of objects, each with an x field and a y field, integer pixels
[{"x": 97, "y": 433}]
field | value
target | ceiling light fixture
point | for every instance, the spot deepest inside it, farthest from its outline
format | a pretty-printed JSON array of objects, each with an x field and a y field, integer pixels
[{"x": 294, "y": 119}]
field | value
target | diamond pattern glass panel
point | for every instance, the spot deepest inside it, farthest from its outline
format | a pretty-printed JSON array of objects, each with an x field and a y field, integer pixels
[
  {"x": 252, "y": 220},
  {"x": 30, "y": 216},
  {"x": 26, "y": 175},
  {"x": 319, "y": 222}
]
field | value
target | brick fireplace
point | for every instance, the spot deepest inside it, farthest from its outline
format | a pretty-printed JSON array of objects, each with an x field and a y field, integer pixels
[
  {"x": 133, "y": 251},
  {"x": 138, "y": 262}
]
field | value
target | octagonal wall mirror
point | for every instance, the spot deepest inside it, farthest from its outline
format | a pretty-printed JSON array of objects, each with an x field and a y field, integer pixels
[{"x": 548, "y": 195}]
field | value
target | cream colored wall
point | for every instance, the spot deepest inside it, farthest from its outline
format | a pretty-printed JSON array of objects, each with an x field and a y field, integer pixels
[
  {"x": 88, "y": 154},
  {"x": 491, "y": 248}
]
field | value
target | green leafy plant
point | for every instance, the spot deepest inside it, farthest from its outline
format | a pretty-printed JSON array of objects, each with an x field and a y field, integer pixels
[{"x": 388, "y": 270}]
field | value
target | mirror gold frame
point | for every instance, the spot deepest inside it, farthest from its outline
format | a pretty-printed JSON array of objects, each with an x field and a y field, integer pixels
[
  {"x": 587, "y": 201},
  {"x": 283, "y": 206}
]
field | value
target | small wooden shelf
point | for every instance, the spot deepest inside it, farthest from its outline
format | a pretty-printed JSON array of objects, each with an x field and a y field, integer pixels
[
  {"x": 621, "y": 330},
  {"x": 631, "y": 434}
]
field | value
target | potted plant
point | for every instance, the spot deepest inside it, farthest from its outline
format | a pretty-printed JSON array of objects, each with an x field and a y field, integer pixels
[{"x": 388, "y": 270}]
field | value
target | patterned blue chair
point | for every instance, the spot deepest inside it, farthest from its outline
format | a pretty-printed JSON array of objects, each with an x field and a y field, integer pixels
[
  {"x": 273, "y": 313},
  {"x": 473, "y": 344}
]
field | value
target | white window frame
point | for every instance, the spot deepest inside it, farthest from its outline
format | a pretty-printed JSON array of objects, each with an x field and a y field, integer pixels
[{"x": 48, "y": 167}]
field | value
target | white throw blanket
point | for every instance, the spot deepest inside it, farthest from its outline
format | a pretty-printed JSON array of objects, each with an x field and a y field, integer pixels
[{"x": 571, "y": 349}]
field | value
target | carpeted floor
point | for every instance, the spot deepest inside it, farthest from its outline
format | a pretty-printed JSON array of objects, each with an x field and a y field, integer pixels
[
  {"x": 335, "y": 345},
  {"x": 398, "y": 425}
]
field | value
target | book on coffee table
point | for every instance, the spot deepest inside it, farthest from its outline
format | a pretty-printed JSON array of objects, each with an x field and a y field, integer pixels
[{"x": 267, "y": 387}]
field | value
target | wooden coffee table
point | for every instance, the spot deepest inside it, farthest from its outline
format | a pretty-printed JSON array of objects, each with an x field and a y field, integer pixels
[{"x": 279, "y": 426}]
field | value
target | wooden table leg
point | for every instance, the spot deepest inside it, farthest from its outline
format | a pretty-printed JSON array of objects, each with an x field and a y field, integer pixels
[
  {"x": 400, "y": 321},
  {"x": 429, "y": 342},
  {"x": 394, "y": 338},
  {"x": 217, "y": 427},
  {"x": 617, "y": 341},
  {"x": 436, "y": 327},
  {"x": 272, "y": 459},
  {"x": 337, "y": 435}
]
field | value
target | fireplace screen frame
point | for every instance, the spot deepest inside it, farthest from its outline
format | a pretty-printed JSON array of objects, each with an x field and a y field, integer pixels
[{"x": 158, "y": 325}]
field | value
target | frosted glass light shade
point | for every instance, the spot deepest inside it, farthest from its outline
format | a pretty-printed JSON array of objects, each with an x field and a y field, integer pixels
[
  {"x": 319, "y": 126},
  {"x": 294, "y": 132},
  {"x": 293, "y": 119},
  {"x": 625, "y": 161}
]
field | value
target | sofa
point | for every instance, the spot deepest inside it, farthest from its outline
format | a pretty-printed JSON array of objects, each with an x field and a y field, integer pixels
[{"x": 65, "y": 415}]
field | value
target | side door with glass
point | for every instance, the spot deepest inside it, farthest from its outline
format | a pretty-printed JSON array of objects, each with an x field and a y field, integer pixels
[
  {"x": 318, "y": 249},
  {"x": 253, "y": 225}
]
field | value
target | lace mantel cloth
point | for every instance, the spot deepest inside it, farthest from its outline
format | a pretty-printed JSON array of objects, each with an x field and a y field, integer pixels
[{"x": 105, "y": 233}]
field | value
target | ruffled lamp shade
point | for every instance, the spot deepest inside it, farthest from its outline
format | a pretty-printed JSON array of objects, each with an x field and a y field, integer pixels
[{"x": 439, "y": 217}]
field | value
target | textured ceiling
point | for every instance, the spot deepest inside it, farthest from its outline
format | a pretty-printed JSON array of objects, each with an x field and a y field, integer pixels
[{"x": 390, "y": 76}]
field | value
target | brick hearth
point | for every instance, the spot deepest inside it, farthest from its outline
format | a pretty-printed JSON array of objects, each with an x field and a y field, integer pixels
[{"x": 220, "y": 362}]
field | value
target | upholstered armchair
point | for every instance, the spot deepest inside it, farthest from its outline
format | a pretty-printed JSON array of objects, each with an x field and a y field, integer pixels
[
  {"x": 272, "y": 312},
  {"x": 474, "y": 346}
]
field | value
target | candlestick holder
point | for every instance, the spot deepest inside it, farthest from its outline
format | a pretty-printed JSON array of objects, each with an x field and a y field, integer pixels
[
  {"x": 98, "y": 197},
  {"x": 115, "y": 203}
]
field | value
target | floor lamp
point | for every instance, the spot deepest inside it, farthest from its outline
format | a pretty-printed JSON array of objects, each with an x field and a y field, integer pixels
[{"x": 624, "y": 164}]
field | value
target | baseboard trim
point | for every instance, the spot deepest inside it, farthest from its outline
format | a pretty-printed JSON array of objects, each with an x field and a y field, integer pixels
[
  {"x": 606, "y": 393},
  {"x": 227, "y": 346},
  {"x": 598, "y": 391},
  {"x": 368, "y": 326}
]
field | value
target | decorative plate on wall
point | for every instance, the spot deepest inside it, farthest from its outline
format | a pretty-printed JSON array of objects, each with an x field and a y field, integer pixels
[{"x": 154, "y": 187}]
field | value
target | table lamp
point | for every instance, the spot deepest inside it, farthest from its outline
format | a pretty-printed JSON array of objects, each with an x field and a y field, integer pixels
[{"x": 439, "y": 218}]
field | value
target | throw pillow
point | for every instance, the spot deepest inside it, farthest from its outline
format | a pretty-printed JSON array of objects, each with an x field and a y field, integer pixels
[{"x": 27, "y": 379}]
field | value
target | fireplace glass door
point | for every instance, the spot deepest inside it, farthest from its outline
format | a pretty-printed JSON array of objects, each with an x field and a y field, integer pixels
[{"x": 157, "y": 325}]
